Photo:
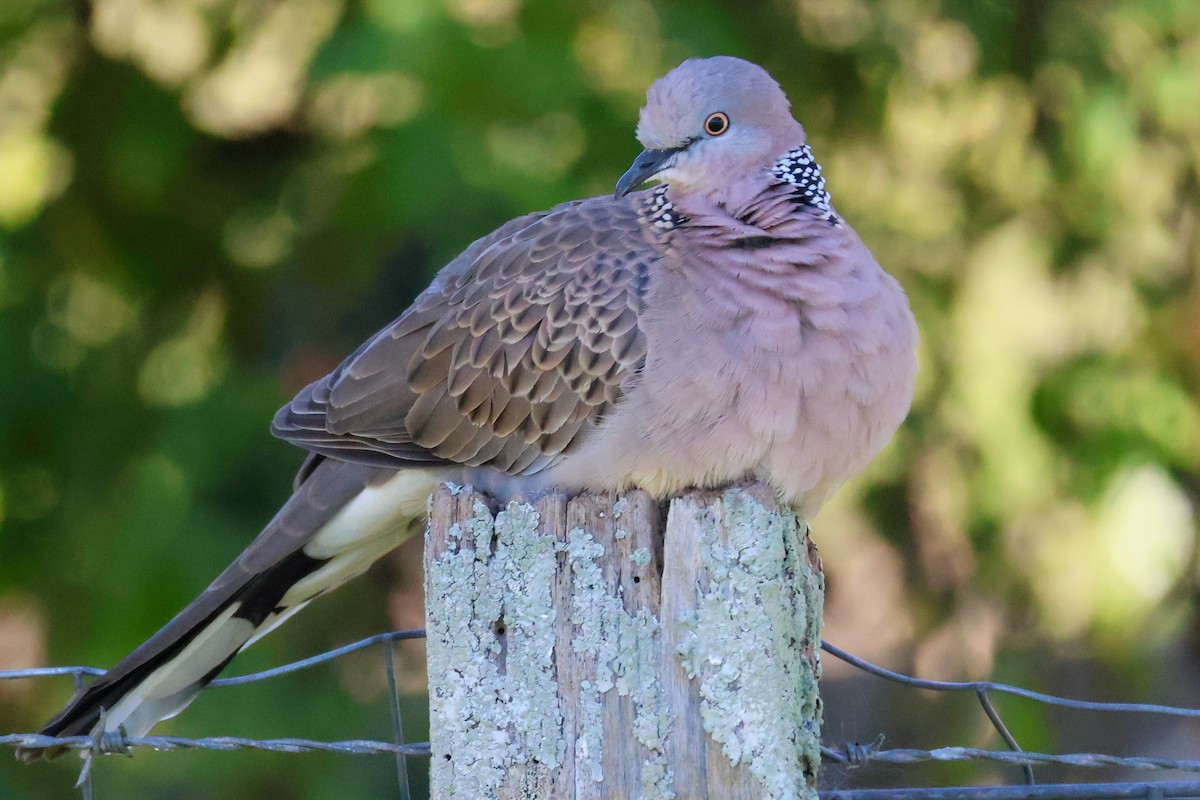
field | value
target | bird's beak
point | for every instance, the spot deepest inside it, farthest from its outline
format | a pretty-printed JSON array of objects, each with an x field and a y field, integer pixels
[{"x": 645, "y": 167}]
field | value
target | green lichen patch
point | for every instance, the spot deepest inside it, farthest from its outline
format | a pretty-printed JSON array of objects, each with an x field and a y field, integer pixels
[
  {"x": 750, "y": 645},
  {"x": 492, "y": 706},
  {"x": 623, "y": 648},
  {"x": 620, "y": 507}
]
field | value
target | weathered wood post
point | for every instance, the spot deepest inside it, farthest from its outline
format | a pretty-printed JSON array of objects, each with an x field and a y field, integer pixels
[{"x": 597, "y": 648}]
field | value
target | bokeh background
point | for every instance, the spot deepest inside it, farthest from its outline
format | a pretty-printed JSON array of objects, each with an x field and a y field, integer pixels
[{"x": 204, "y": 204}]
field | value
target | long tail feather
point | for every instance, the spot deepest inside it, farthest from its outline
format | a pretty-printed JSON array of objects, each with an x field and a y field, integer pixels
[{"x": 341, "y": 519}]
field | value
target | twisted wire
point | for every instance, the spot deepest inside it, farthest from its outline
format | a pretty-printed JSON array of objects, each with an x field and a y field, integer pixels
[{"x": 849, "y": 754}]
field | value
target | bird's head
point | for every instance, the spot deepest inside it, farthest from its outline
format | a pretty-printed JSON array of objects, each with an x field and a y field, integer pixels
[{"x": 710, "y": 123}]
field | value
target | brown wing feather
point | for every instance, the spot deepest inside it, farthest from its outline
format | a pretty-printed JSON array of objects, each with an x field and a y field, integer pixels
[{"x": 520, "y": 345}]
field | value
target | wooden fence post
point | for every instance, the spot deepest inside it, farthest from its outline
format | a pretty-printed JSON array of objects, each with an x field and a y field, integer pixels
[{"x": 597, "y": 648}]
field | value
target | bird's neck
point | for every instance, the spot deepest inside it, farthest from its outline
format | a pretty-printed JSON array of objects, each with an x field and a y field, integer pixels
[
  {"x": 801, "y": 172},
  {"x": 791, "y": 190}
]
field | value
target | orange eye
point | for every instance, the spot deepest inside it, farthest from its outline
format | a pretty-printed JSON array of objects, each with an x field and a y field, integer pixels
[{"x": 716, "y": 124}]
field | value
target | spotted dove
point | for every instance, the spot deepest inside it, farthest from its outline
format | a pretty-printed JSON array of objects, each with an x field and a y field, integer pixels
[{"x": 726, "y": 324}]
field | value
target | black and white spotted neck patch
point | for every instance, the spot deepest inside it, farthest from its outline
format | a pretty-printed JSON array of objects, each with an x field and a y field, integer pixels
[
  {"x": 663, "y": 214},
  {"x": 802, "y": 171}
]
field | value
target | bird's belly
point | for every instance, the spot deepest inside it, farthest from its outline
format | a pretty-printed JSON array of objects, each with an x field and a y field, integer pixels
[{"x": 802, "y": 417}]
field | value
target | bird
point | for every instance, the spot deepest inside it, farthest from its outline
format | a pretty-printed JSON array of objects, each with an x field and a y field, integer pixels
[{"x": 724, "y": 324}]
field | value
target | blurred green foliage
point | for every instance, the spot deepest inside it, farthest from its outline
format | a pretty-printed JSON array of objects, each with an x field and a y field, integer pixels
[{"x": 204, "y": 204}]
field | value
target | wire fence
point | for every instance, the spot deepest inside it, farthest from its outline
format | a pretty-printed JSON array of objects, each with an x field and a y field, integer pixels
[{"x": 850, "y": 755}]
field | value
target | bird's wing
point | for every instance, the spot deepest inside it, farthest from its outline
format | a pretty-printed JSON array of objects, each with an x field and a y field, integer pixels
[{"x": 519, "y": 347}]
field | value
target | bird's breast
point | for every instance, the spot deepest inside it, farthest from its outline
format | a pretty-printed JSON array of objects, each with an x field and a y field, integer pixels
[{"x": 753, "y": 375}]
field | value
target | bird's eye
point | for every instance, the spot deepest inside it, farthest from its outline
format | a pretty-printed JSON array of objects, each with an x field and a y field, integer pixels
[{"x": 716, "y": 124}]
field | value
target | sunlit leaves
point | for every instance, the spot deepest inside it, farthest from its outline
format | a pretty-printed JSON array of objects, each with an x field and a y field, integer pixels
[{"x": 184, "y": 368}]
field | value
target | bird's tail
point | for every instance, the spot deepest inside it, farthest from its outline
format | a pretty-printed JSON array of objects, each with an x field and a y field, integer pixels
[{"x": 340, "y": 520}]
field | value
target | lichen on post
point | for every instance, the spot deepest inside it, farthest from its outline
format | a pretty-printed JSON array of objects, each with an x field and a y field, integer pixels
[{"x": 605, "y": 647}]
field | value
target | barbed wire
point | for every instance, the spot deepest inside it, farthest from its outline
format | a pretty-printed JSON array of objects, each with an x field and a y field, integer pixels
[
  {"x": 854, "y": 755},
  {"x": 113, "y": 742},
  {"x": 850, "y": 755},
  {"x": 1004, "y": 688},
  {"x": 1150, "y": 790}
]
